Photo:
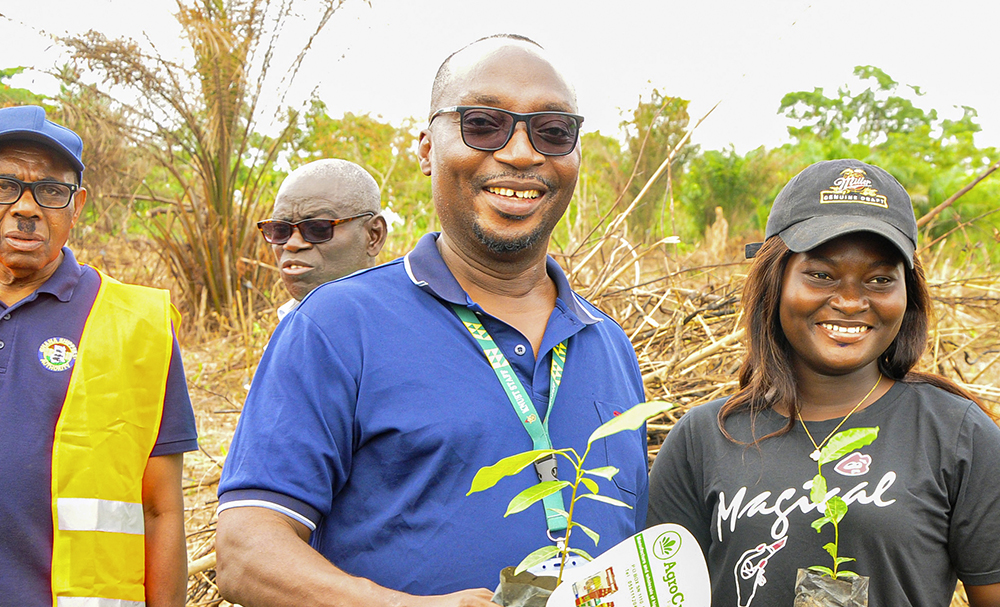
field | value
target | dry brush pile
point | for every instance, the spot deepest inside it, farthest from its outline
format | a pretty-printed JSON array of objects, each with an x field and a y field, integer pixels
[
  {"x": 680, "y": 311},
  {"x": 682, "y": 315}
]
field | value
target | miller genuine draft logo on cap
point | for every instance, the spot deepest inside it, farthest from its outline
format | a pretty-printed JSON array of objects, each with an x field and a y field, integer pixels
[
  {"x": 853, "y": 185},
  {"x": 57, "y": 354}
]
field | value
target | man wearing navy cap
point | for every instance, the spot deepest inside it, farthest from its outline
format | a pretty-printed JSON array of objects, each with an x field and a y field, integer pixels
[{"x": 94, "y": 411}]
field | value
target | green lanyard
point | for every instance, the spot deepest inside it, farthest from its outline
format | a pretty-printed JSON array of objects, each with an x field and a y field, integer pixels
[{"x": 537, "y": 429}]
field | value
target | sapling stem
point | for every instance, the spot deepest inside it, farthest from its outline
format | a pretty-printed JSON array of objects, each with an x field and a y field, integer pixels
[
  {"x": 569, "y": 530},
  {"x": 578, "y": 466},
  {"x": 835, "y": 508},
  {"x": 836, "y": 547}
]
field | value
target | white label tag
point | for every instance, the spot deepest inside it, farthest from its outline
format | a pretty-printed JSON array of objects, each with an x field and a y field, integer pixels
[{"x": 662, "y": 565}]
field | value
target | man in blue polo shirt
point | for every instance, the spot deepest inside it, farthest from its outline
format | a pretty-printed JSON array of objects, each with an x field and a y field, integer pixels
[
  {"x": 94, "y": 411},
  {"x": 374, "y": 405}
]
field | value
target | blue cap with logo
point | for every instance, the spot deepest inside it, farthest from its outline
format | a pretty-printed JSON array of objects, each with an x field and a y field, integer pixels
[
  {"x": 28, "y": 123},
  {"x": 836, "y": 197}
]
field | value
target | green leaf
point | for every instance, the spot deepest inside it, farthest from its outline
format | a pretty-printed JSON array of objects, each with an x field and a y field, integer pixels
[
  {"x": 605, "y": 499},
  {"x": 590, "y": 532},
  {"x": 632, "y": 419},
  {"x": 846, "y": 573},
  {"x": 590, "y": 485},
  {"x": 818, "y": 523},
  {"x": 842, "y": 443},
  {"x": 607, "y": 472},
  {"x": 818, "y": 493},
  {"x": 836, "y": 508},
  {"x": 580, "y": 553},
  {"x": 824, "y": 570},
  {"x": 534, "y": 494},
  {"x": 538, "y": 556},
  {"x": 831, "y": 549},
  {"x": 840, "y": 560},
  {"x": 508, "y": 466}
]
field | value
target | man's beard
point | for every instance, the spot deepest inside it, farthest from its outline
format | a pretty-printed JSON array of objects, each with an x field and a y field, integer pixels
[{"x": 503, "y": 246}]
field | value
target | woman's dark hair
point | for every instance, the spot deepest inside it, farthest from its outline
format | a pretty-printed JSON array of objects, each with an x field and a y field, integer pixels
[{"x": 766, "y": 378}]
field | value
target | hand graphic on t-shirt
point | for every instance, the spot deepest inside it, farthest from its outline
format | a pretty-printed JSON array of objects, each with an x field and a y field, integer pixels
[{"x": 749, "y": 570}]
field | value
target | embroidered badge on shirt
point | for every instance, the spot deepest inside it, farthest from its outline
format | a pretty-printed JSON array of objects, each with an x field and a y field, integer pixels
[{"x": 57, "y": 354}]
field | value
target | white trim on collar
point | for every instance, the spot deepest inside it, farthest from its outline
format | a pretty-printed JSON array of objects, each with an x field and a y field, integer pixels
[
  {"x": 409, "y": 271},
  {"x": 583, "y": 308}
]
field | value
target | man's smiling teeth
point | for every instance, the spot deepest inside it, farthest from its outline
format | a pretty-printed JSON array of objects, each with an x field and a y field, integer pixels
[
  {"x": 515, "y": 193},
  {"x": 842, "y": 329}
]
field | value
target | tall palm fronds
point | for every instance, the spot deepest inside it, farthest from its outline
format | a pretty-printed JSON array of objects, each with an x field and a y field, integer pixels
[{"x": 199, "y": 123}]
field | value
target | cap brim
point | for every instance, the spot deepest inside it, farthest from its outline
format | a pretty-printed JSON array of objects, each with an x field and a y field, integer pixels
[{"x": 809, "y": 234}]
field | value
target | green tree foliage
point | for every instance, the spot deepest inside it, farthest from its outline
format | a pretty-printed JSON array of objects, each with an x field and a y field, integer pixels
[
  {"x": 867, "y": 117},
  {"x": 604, "y": 172},
  {"x": 655, "y": 128},
  {"x": 13, "y": 96},
  {"x": 932, "y": 157},
  {"x": 743, "y": 186},
  {"x": 386, "y": 151}
]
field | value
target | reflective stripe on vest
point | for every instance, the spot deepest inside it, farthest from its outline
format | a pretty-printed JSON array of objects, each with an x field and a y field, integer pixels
[
  {"x": 106, "y": 430},
  {"x": 89, "y": 601},
  {"x": 86, "y": 514}
]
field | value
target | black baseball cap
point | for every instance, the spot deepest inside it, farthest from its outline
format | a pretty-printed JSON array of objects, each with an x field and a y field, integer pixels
[
  {"x": 28, "y": 123},
  {"x": 837, "y": 197}
]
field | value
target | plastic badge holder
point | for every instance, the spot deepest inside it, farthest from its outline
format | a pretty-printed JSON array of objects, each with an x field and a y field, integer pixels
[{"x": 551, "y": 566}]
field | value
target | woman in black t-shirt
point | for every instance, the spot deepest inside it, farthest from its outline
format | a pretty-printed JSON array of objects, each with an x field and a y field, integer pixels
[{"x": 836, "y": 311}]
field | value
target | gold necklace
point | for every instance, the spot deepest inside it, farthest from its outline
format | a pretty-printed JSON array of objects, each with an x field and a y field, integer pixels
[{"x": 815, "y": 455}]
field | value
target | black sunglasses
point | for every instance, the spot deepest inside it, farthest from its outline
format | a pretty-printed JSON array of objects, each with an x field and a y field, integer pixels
[
  {"x": 313, "y": 231},
  {"x": 489, "y": 129},
  {"x": 47, "y": 194}
]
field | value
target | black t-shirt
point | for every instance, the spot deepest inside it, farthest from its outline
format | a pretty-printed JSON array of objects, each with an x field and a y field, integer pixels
[{"x": 924, "y": 500}]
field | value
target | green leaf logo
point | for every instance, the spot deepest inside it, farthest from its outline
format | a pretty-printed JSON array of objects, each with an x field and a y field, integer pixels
[{"x": 666, "y": 545}]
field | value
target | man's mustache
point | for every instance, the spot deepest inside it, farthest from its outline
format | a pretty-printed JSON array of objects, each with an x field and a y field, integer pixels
[{"x": 25, "y": 225}]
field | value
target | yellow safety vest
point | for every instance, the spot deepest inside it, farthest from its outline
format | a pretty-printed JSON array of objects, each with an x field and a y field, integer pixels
[{"x": 105, "y": 433}]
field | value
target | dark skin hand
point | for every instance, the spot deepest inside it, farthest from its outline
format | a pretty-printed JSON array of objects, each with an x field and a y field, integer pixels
[{"x": 264, "y": 560}]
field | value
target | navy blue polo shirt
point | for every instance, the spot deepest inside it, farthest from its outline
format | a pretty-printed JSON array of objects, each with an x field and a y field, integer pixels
[
  {"x": 31, "y": 399},
  {"x": 373, "y": 408}
]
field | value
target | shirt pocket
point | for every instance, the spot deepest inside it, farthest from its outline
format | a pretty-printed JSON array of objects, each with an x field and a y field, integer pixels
[{"x": 625, "y": 450}]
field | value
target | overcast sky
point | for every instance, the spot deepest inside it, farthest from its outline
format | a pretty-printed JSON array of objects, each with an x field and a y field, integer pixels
[{"x": 380, "y": 59}]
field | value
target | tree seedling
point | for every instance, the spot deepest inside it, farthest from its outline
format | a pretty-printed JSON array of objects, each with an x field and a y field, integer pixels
[
  {"x": 839, "y": 445},
  {"x": 583, "y": 485}
]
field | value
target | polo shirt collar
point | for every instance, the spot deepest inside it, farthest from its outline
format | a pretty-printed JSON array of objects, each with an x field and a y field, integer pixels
[
  {"x": 427, "y": 270},
  {"x": 63, "y": 281}
]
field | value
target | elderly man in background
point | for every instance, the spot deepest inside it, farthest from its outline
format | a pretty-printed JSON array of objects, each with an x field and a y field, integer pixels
[
  {"x": 326, "y": 224},
  {"x": 94, "y": 411}
]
